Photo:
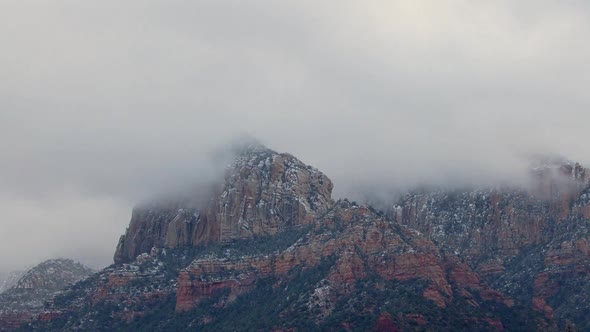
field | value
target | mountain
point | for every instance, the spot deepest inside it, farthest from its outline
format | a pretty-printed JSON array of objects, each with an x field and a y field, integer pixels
[
  {"x": 269, "y": 249},
  {"x": 25, "y": 299}
]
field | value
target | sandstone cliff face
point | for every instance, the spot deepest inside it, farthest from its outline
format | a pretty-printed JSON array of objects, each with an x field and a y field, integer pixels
[
  {"x": 263, "y": 193},
  {"x": 526, "y": 243},
  {"x": 496, "y": 224},
  {"x": 364, "y": 245}
]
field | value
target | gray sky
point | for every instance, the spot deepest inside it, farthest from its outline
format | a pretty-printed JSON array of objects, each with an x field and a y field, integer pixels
[{"x": 106, "y": 103}]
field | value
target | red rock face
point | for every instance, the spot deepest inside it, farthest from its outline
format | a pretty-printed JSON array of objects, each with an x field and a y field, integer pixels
[
  {"x": 386, "y": 324},
  {"x": 568, "y": 261},
  {"x": 365, "y": 241},
  {"x": 490, "y": 228},
  {"x": 263, "y": 193},
  {"x": 490, "y": 268},
  {"x": 49, "y": 316},
  {"x": 544, "y": 288},
  {"x": 496, "y": 324},
  {"x": 204, "y": 277},
  {"x": 130, "y": 288}
]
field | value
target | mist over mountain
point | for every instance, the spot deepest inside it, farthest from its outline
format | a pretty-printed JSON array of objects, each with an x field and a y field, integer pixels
[
  {"x": 105, "y": 105},
  {"x": 268, "y": 240}
]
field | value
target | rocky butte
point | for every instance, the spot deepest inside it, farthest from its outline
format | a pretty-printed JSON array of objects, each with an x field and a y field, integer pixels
[
  {"x": 263, "y": 194},
  {"x": 269, "y": 249}
]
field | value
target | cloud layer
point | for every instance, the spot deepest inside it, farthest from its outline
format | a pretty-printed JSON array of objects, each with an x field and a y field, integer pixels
[{"x": 104, "y": 104}]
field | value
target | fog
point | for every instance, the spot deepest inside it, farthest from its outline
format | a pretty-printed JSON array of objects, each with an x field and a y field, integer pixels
[{"x": 104, "y": 104}]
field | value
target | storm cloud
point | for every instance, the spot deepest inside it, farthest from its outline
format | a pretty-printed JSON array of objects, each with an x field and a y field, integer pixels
[{"x": 106, "y": 103}]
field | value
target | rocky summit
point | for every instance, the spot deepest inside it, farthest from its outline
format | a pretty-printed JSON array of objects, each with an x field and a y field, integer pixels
[
  {"x": 263, "y": 193},
  {"x": 269, "y": 249}
]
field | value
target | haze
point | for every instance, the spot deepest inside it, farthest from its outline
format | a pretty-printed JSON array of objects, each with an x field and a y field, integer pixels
[{"x": 107, "y": 103}]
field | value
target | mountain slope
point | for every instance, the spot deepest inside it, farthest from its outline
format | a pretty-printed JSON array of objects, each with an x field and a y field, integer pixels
[
  {"x": 352, "y": 268},
  {"x": 26, "y": 299}
]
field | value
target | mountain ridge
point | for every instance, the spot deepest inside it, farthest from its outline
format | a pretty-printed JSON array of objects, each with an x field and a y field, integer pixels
[
  {"x": 270, "y": 241},
  {"x": 26, "y": 298}
]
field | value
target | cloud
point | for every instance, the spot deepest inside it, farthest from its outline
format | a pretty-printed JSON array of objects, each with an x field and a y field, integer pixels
[{"x": 106, "y": 104}]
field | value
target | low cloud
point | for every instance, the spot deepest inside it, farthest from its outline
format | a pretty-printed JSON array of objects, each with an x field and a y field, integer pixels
[{"x": 105, "y": 105}]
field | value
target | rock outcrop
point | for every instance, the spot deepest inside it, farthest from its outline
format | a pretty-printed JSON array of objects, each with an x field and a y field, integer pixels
[{"x": 263, "y": 192}]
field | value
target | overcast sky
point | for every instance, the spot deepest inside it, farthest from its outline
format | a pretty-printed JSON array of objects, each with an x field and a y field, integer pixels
[{"x": 106, "y": 103}]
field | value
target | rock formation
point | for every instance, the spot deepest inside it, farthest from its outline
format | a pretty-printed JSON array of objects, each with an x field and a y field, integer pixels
[
  {"x": 263, "y": 193},
  {"x": 364, "y": 243},
  {"x": 270, "y": 250},
  {"x": 528, "y": 243}
]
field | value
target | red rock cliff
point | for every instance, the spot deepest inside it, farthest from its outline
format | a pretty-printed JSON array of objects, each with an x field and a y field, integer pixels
[{"x": 263, "y": 192}]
